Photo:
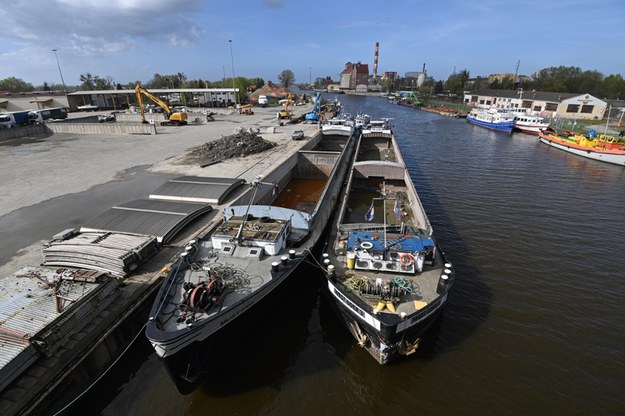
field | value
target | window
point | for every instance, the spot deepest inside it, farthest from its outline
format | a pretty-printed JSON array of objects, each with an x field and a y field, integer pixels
[
  {"x": 572, "y": 108},
  {"x": 587, "y": 108},
  {"x": 527, "y": 104},
  {"x": 551, "y": 107},
  {"x": 537, "y": 108}
]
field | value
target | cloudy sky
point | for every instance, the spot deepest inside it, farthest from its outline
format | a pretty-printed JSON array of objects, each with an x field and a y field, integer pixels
[{"x": 131, "y": 40}]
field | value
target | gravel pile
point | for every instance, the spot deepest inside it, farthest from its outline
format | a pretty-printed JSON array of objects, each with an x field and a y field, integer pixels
[{"x": 237, "y": 145}]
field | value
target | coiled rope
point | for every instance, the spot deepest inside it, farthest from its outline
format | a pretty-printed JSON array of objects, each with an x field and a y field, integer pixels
[{"x": 402, "y": 283}]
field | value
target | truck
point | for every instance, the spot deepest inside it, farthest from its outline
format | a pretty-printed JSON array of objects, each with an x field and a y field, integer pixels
[
  {"x": 173, "y": 118},
  {"x": 44, "y": 114},
  {"x": 14, "y": 119},
  {"x": 262, "y": 101}
]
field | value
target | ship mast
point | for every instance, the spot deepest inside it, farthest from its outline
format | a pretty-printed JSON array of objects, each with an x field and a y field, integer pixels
[{"x": 255, "y": 184}]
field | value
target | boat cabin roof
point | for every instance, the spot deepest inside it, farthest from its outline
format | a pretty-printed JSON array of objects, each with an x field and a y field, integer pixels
[{"x": 374, "y": 240}]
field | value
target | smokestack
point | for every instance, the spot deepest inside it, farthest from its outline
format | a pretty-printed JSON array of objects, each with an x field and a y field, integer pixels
[{"x": 375, "y": 60}]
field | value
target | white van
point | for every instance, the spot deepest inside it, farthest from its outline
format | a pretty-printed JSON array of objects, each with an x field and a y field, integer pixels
[{"x": 262, "y": 101}]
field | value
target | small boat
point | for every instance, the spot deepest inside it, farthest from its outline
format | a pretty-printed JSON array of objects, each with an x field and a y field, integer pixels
[
  {"x": 361, "y": 120},
  {"x": 378, "y": 128},
  {"x": 265, "y": 234},
  {"x": 526, "y": 122},
  {"x": 341, "y": 126},
  {"x": 386, "y": 276},
  {"x": 491, "y": 118},
  {"x": 602, "y": 147}
]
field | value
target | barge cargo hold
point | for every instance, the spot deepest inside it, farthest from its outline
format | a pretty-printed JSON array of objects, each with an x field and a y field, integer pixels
[
  {"x": 386, "y": 276},
  {"x": 266, "y": 235}
]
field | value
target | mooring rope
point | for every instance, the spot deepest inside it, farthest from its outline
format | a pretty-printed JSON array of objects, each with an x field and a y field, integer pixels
[{"x": 101, "y": 375}]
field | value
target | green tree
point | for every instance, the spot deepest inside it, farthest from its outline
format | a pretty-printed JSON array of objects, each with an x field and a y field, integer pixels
[
  {"x": 15, "y": 85},
  {"x": 456, "y": 82},
  {"x": 613, "y": 86},
  {"x": 588, "y": 81},
  {"x": 104, "y": 83},
  {"x": 286, "y": 78},
  {"x": 438, "y": 87},
  {"x": 91, "y": 82},
  {"x": 87, "y": 81}
]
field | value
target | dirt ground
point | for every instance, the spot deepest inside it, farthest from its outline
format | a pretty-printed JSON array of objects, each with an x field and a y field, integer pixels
[{"x": 34, "y": 170}]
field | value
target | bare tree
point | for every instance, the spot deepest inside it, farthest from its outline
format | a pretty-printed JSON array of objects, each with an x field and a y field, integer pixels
[{"x": 286, "y": 78}]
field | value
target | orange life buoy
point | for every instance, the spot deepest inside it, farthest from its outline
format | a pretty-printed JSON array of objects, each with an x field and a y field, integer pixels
[{"x": 406, "y": 259}]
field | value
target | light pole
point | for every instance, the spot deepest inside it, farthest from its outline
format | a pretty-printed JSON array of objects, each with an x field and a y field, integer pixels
[
  {"x": 60, "y": 72},
  {"x": 232, "y": 60}
]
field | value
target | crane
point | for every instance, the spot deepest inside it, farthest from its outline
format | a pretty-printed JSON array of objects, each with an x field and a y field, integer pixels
[
  {"x": 173, "y": 119},
  {"x": 313, "y": 116}
]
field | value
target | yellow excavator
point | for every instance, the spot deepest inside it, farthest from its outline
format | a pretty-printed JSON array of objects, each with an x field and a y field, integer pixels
[
  {"x": 286, "y": 112},
  {"x": 173, "y": 119}
]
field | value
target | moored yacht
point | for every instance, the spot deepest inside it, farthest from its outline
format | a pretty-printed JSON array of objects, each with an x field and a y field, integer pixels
[{"x": 491, "y": 118}]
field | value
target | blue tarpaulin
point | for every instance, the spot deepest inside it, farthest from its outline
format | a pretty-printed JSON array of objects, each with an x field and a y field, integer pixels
[{"x": 405, "y": 243}]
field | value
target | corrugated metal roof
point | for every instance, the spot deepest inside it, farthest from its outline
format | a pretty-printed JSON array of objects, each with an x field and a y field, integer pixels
[
  {"x": 156, "y": 218},
  {"x": 27, "y": 306},
  {"x": 114, "y": 253},
  {"x": 526, "y": 95},
  {"x": 197, "y": 189}
]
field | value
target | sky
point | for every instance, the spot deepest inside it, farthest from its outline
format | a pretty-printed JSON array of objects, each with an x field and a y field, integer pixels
[{"x": 131, "y": 40}]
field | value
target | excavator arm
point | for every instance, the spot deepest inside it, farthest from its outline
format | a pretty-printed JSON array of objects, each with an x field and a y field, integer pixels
[{"x": 178, "y": 119}]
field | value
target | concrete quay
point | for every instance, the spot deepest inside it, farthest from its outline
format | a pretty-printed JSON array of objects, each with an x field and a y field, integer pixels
[{"x": 40, "y": 168}]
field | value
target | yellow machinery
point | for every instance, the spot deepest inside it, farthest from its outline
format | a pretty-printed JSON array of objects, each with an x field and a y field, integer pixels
[
  {"x": 246, "y": 109},
  {"x": 173, "y": 119},
  {"x": 286, "y": 111}
]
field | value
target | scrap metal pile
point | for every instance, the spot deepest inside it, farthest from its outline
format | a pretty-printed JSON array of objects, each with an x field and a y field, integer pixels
[
  {"x": 237, "y": 145},
  {"x": 114, "y": 253}
]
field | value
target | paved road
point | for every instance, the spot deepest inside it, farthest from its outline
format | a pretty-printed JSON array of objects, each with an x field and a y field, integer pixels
[{"x": 39, "y": 169}]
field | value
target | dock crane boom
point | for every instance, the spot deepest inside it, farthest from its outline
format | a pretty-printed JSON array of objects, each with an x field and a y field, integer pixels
[
  {"x": 313, "y": 116},
  {"x": 173, "y": 118}
]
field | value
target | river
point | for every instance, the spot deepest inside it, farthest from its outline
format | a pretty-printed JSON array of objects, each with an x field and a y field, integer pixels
[{"x": 535, "y": 323}]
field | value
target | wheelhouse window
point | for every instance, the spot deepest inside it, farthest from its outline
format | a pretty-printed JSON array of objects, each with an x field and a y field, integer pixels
[{"x": 572, "y": 108}]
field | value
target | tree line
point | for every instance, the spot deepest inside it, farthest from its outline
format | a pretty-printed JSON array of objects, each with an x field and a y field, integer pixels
[{"x": 552, "y": 79}]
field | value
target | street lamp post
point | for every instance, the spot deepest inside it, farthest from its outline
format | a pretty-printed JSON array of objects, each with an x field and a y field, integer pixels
[
  {"x": 60, "y": 72},
  {"x": 232, "y": 60}
]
